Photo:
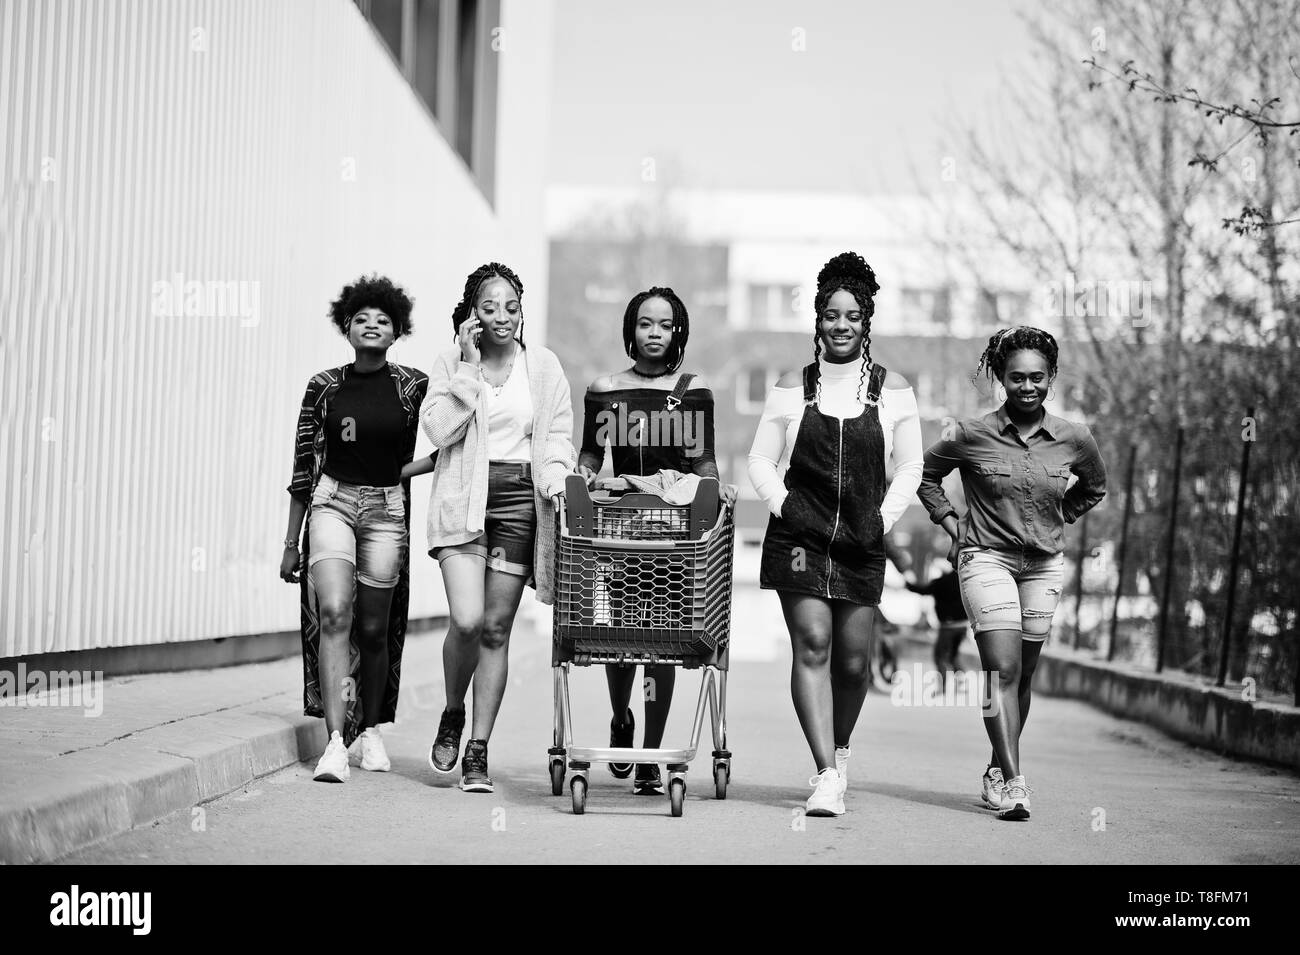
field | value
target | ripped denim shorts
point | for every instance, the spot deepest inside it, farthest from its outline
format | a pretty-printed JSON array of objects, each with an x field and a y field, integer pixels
[{"x": 1010, "y": 589}]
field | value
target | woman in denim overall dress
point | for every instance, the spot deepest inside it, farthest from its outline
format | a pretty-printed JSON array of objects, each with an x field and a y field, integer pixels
[
  {"x": 836, "y": 424},
  {"x": 1015, "y": 466}
]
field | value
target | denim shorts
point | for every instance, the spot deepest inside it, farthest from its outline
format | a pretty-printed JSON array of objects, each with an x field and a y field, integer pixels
[
  {"x": 1010, "y": 589},
  {"x": 364, "y": 525},
  {"x": 510, "y": 524}
]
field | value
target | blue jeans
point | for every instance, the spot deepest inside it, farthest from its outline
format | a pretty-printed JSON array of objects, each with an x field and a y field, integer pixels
[
  {"x": 1010, "y": 589},
  {"x": 366, "y": 526}
]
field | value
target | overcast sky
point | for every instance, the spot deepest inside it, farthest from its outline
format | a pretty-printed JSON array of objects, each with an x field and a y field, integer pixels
[{"x": 715, "y": 93}]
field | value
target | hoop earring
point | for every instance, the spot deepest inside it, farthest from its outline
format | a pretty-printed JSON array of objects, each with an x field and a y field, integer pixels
[
  {"x": 1002, "y": 393},
  {"x": 1051, "y": 392}
]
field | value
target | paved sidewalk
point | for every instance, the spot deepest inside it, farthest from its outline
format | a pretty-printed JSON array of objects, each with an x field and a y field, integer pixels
[{"x": 161, "y": 743}]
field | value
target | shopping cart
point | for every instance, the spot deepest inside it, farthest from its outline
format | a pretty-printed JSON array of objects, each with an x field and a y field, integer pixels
[{"x": 641, "y": 581}]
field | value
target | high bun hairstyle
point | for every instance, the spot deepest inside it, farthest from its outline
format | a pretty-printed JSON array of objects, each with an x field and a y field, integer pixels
[
  {"x": 848, "y": 271},
  {"x": 475, "y": 282},
  {"x": 374, "y": 291},
  {"x": 681, "y": 324},
  {"x": 1006, "y": 341}
]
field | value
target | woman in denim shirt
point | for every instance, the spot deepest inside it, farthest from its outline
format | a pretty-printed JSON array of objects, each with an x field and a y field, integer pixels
[{"x": 1015, "y": 466}]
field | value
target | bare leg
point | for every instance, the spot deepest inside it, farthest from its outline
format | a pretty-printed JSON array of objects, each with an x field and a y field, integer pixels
[
  {"x": 660, "y": 681},
  {"x": 334, "y": 582},
  {"x": 850, "y": 664},
  {"x": 372, "y": 604},
  {"x": 1000, "y": 652},
  {"x": 810, "y": 622},
  {"x": 463, "y": 578},
  {"x": 502, "y": 601}
]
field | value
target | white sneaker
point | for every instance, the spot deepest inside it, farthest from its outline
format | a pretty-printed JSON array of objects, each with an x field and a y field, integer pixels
[
  {"x": 828, "y": 798},
  {"x": 1015, "y": 802},
  {"x": 333, "y": 765},
  {"x": 842, "y": 754},
  {"x": 993, "y": 788},
  {"x": 374, "y": 758}
]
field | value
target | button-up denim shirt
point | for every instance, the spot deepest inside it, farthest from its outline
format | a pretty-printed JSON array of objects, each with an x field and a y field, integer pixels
[{"x": 1016, "y": 485}]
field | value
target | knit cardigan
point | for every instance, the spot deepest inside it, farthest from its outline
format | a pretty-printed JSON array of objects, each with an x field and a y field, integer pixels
[{"x": 454, "y": 417}]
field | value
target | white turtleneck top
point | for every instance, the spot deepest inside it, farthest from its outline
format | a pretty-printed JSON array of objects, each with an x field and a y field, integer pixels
[{"x": 842, "y": 395}]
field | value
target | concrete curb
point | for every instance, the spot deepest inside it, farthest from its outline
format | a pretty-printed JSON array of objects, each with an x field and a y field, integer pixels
[
  {"x": 90, "y": 795},
  {"x": 1214, "y": 717}
]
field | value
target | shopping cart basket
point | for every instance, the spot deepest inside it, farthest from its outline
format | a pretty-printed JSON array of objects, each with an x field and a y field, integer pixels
[{"x": 641, "y": 581}]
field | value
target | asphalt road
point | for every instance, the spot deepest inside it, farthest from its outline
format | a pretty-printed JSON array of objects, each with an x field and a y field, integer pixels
[{"x": 1105, "y": 790}]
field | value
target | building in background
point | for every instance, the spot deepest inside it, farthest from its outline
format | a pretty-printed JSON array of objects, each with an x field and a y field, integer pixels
[
  {"x": 753, "y": 257},
  {"x": 184, "y": 188}
]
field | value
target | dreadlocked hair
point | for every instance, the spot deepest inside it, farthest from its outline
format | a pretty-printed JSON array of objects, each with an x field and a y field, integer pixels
[
  {"x": 1006, "y": 341},
  {"x": 850, "y": 272},
  {"x": 373, "y": 291},
  {"x": 475, "y": 282},
  {"x": 681, "y": 324}
]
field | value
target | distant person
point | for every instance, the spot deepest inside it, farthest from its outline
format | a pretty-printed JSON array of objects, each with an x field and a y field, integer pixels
[
  {"x": 351, "y": 468},
  {"x": 500, "y": 414},
  {"x": 953, "y": 623},
  {"x": 1015, "y": 466},
  {"x": 656, "y": 327},
  {"x": 832, "y": 427}
]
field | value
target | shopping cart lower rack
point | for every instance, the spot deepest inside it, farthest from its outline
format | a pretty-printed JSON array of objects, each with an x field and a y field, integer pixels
[{"x": 641, "y": 581}]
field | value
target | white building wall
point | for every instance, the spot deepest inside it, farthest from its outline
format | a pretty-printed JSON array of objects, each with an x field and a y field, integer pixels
[{"x": 273, "y": 145}]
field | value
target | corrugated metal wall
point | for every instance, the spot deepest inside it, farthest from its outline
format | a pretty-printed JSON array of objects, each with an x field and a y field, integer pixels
[{"x": 272, "y": 145}]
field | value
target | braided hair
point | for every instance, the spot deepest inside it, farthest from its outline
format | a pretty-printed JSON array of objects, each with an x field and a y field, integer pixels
[
  {"x": 681, "y": 324},
  {"x": 475, "y": 282},
  {"x": 850, "y": 272},
  {"x": 373, "y": 291},
  {"x": 1006, "y": 341}
]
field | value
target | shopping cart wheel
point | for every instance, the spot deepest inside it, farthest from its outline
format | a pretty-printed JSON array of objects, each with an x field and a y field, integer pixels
[
  {"x": 676, "y": 795},
  {"x": 578, "y": 787},
  {"x": 557, "y": 777},
  {"x": 721, "y": 773}
]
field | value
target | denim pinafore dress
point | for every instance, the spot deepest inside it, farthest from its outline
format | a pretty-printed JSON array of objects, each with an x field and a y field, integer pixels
[{"x": 829, "y": 540}]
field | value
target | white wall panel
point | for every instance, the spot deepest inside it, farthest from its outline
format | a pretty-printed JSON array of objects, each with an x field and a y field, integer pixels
[{"x": 144, "y": 456}]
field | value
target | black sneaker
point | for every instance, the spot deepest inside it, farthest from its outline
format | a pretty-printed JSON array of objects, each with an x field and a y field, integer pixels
[
  {"x": 648, "y": 781},
  {"x": 446, "y": 745},
  {"x": 622, "y": 736},
  {"x": 474, "y": 777}
]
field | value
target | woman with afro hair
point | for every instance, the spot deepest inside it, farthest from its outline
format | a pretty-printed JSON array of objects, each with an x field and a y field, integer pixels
[
  {"x": 1008, "y": 548},
  {"x": 819, "y": 461},
  {"x": 351, "y": 486},
  {"x": 655, "y": 330},
  {"x": 500, "y": 415}
]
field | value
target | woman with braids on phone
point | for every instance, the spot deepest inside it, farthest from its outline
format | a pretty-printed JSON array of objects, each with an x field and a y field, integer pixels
[
  {"x": 500, "y": 415},
  {"x": 1015, "y": 466},
  {"x": 832, "y": 427},
  {"x": 655, "y": 329}
]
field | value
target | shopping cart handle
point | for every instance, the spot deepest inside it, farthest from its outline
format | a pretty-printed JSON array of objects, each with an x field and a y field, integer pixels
[{"x": 611, "y": 543}]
